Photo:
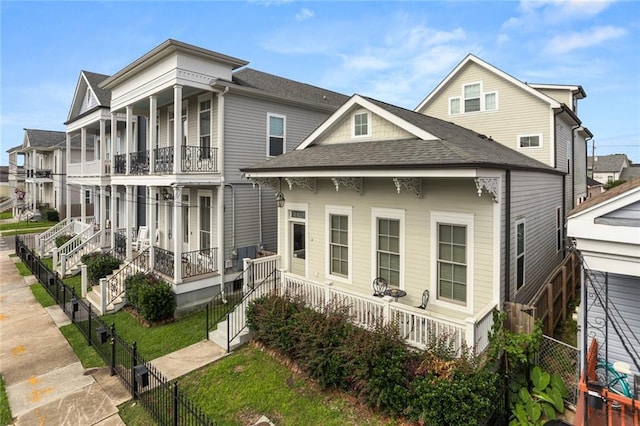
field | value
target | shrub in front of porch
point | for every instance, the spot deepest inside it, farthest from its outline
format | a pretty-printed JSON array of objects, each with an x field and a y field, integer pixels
[
  {"x": 152, "y": 298},
  {"x": 50, "y": 215},
  {"x": 99, "y": 266},
  {"x": 63, "y": 239},
  {"x": 434, "y": 386}
]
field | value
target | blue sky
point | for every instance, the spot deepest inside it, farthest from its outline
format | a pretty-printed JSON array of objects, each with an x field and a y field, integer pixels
[{"x": 392, "y": 51}]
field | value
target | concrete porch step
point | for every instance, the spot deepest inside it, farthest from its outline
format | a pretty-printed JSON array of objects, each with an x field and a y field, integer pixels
[{"x": 219, "y": 337}]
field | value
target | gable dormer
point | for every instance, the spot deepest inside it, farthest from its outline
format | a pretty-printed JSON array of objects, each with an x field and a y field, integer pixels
[{"x": 88, "y": 95}]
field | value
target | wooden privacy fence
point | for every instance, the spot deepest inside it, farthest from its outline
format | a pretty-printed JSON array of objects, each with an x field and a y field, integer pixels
[{"x": 550, "y": 303}]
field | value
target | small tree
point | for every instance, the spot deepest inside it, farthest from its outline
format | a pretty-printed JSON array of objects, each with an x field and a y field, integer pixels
[{"x": 613, "y": 184}]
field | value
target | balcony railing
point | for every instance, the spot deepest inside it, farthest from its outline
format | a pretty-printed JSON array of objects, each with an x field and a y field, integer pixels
[
  {"x": 119, "y": 164},
  {"x": 139, "y": 163},
  {"x": 199, "y": 262},
  {"x": 164, "y": 160},
  {"x": 199, "y": 159},
  {"x": 163, "y": 261},
  {"x": 39, "y": 174}
]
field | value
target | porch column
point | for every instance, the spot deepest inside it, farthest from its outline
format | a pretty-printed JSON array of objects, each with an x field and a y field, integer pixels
[
  {"x": 83, "y": 204},
  {"x": 128, "y": 137},
  {"x": 177, "y": 233},
  {"x": 151, "y": 222},
  {"x": 103, "y": 148},
  {"x": 152, "y": 132},
  {"x": 103, "y": 213},
  {"x": 114, "y": 141},
  {"x": 83, "y": 149},
  {"x": 67, "y": 188},
  {"x": 59, "y": 181},
  {"x": 177, "y": 128},
  {"x": 68, "y": 196},
  {"x": 128, "y": 218},
  {"x": 113, "y": 215}
]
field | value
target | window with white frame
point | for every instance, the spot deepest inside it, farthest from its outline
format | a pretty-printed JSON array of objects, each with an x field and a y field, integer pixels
[
  {"x": 361, "y": 125},
  {"x": 388, "y": 230},
  {"x": 471, "y": 97},
  {"x": 490, "y": 101},
  {"x": 204, "y": 128},
  {"x": 87, "y": 197},
  {"x": 454, "y": 106},
  {"x": 185, "y": 127},
  {"x": 559, "y": 226},
  {"x": 452, "y": 262},
  {"x": 529, "y": 141},
  {"x": 520, "y": 253},
  {"x": 339, "y": 241},
  {"x": 276, "y": 135}
]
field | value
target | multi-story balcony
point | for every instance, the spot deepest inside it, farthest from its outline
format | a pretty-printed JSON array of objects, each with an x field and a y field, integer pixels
[
  {"x": 39, "y": 174},
  {"x": 195, "y": 159}
]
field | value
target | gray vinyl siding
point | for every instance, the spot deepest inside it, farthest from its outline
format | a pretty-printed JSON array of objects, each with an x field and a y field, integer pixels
[
  {"x": 623, "y": 294},
  {"x": 579, "y": 167},
  {"x": 535, "y": 197},
  {"x": 564, "y": 158},
  {"x": 246, "y": 130}
]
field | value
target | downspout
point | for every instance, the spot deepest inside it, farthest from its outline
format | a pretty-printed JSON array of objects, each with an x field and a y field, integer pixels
[
  {"x": 563, "y": 210},
  {"x": 507, "y": 236},
  {"x": 260, "y": 214}
]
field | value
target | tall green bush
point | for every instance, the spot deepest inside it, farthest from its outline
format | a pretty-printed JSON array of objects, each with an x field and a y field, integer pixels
[
  {"x": 63, "y": 239},
  {"x": 50, "y": 215},
  {"x": 152, "y": 298},
  {"x": 99, "y": 265}
]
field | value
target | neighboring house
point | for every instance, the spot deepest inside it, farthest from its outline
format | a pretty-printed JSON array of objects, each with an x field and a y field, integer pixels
[
  {"x": 538, "y": 120},
  {"x": 5, "y": 188},
  {"x": 381, "y": 191},
  {"x": 606, "y": 231},
  {"x": 631, "y": 172},
  {"x": 44, "y": 171},
  {"x": 16, "y": 178},
  {"x": 179, "y": 183},
  {"x": 594, "y": 187},
  {"x": 607, "y": 168}
]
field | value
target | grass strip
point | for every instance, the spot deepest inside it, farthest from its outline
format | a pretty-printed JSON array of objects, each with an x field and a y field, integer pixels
[
  {"x": 23, "y": 269},
  {"x": 133, "y": 413},
  {"x": 6, "y": 215},
  {"x": 25, "y": 225},
  {"x": 41, "y": 295},
  {"x": 5, "y": 410},
  {"x": 88, "y": 356}
]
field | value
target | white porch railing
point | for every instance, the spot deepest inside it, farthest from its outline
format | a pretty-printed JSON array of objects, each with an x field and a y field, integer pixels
[
  {"x": 82, "y": 232},
  {"x": 417, "y": 326},
  {"x": 47, "y": 238},
  {"x": 73, "y": 258},
  {"x": 256, "y": 270}
]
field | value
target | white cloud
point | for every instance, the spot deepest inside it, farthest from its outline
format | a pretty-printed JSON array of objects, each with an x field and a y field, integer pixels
[
  {"x": 536, "y": 13},
  {"x": 584, "y": 39},
  {"x": 304, "y": 14}
]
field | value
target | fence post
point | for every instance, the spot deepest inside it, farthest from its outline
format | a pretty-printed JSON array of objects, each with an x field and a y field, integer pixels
[
  {"x": 327, "y": 293},
  {"x": 564, "y": 293},
  {"x": 134, "y": 360},
  {"x": 89, "y": 332},
  {"x": 207, "y": 323},
  {"x": 63, "y": 264},
  {"x": 386, "y": 310},
  {"x": 54, "y": 257},
  {"x": 103, "y": 296},
  {"x": 175, "y": 403},
  {"x": 470, "y": 333},
  {"x": 550, "y": 314},
  {"x": 83, "y": 271},
  {"x": 246, "y": 275},
  {"x": 112, "y": 371}
]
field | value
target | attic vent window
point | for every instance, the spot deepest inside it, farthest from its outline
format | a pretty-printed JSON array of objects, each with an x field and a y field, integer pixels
[{"x": 361, "y": 126}]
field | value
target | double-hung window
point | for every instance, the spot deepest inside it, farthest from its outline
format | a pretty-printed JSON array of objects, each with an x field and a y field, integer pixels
[
  {"x": 204, "y": 128},
  {"x": 339, "y": 239},
  {"x": 520, "y": 253},
  {"x": 388, "y": 235},
  {"x": 452, "y": 262},
  {"x": 472, "y": 97},
  {"x": 361, "y": 125},
  {"x": 276, "y": 135}
]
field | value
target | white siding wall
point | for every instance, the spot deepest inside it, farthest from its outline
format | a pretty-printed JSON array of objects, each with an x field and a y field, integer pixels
[
  {"x": 535, "y": 197},
  {"x": 580, "y": 167},
  {"x": 561, "y": 95},
  {"x": 442, "y": 195},
  {"x": 519, "y": 113}
]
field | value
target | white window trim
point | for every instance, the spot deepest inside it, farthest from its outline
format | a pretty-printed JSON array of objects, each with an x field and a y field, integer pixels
[
  {"x": 289, "y": 207},
  {"x": 458, "y": 219},
  {"x": 459, "y": 102},
  {"x": 463, "y": 106},
  {"x": 386, "y": 213},
  {"x": 284, "y": 133},
  {"x": 185, "y": 114},
  {"x": 484, "y": 101},
  {"x": 353, "y": 124},
  {"x": 203, "y": 98},
  {"x": 519, "y": 137},
  {"x": 212, "y": 236},
  {"x": 343, "y": 211},
  {"x": 524, "y": 253}
]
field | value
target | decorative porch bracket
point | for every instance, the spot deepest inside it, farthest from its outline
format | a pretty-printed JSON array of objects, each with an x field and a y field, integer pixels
[
  {"x": 303, "y": 182},
  {"x": 348, "y": 182},
  {"x": 491, "y": 185},
  {"x": 271, "y": 182},
  {"x": 410, "y": 184}
]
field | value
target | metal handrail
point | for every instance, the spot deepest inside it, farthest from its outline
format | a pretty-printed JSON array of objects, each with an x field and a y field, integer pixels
[{"x": 115, "y": 284}]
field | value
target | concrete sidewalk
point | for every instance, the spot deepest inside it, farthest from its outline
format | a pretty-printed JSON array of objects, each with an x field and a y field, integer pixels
[{"x": 45, "y": 382}]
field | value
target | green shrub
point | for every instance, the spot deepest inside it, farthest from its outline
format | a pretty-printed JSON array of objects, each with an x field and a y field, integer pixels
[
  {"x": 50, "y": 215},
  {"x": 63, "y": 239},
  {"x": 152, "y": 298},
  {"x": 99, "y": 265},
  {"x": 271, "y": 320}
]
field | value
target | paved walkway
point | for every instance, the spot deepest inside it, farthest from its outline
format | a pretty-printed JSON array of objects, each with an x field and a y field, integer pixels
[{"x": 44, "y": 379}]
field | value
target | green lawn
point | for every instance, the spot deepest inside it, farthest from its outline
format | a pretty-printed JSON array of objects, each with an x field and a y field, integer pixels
[
  {"x": 25, "y": 225},
  {"x": 160, "y": 340},
  {"x": 5, "y": 410},
  {"x": 6, "y": 215},
  {"x": 42, "y": 295},
  {"x": 23, "y": 269},
  {"x": 88, "y": 356},
  {"x": 240, "y": 388}
]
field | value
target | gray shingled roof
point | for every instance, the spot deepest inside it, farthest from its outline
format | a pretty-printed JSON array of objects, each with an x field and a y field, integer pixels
[
  {"x": 607, "y": 195},
  {"x": 607, "y": 163},
  {"x": 44, "y": 138},
  {"x": 631, "y": 172},
  {"x": 248, "y": 77},
  {"x": 15, "y": 148},
  {"x": 456, "y": 147},
  {"x": 104, "y": 96}
]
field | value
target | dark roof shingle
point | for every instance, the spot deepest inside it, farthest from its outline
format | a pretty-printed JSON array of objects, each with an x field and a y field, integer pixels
[
  {"x": 607, "y": 195},
  {"x": 607, "y": 163},
  {"x": 94, "y": 79},
  {"x": 44, "y": 138}
]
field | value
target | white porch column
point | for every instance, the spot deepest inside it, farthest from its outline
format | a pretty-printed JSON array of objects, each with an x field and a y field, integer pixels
[
  {"x": 83, "y": 204},
  {"x": 59, "y": 181},
  {"x": 177, "y": 234},
  {"x": 113, "y": 215},
  {"x": 177, "y": 128},
  {"x": 151, "y": 222},
  {"x": 83, "y": 149},
  {"x": 103, "y": 147},
  {"x": 128, "y": 137},
  {"x": 103, "y": 213},
  {"x": 114, "y": 141},
  {"x": 152, "y": 132},
  {"x": 220, "y": 229},
  {"x": 68, "y": 196},
  {"x": 128, "y": 219}
]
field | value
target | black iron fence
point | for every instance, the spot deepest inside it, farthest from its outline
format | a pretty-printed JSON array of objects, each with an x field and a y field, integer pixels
[
  {"x": 120, "y": 164},
  {"x": 159, "y": 396},
  {"x": 164, "y": 160},
  {"x": 139, "y": 163},
  {"x": 199, "y": 159}
]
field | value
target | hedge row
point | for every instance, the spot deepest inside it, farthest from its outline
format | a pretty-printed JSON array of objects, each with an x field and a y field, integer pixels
[{"x": 434, "y": 387}]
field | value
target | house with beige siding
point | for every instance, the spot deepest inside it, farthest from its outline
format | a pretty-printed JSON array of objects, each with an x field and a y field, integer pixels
[
  {"x": 163, "y": 140},
  {"x": 447, "y": 217}
]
